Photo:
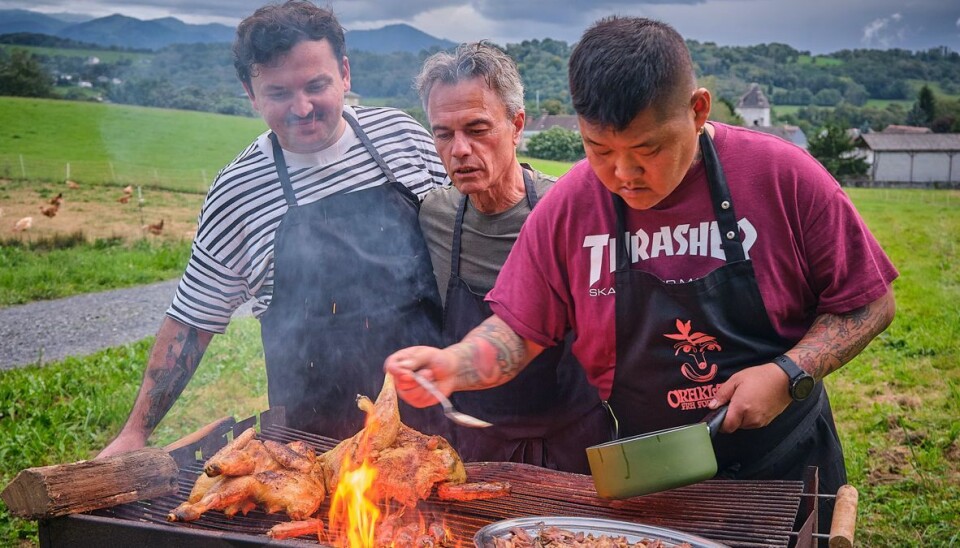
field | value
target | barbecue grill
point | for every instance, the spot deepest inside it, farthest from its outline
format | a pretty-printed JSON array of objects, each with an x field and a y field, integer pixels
[{"x": 732, "y": 512}]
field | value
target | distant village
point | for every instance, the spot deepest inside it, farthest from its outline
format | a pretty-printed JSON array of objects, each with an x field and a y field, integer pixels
[{"x": 898, "y": 155}]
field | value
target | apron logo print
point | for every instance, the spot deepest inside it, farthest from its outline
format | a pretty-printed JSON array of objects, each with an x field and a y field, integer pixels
[{"x": 696, "y": 345}]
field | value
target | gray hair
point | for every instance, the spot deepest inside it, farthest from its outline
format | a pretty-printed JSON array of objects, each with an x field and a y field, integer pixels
[{"x": 469, "y": 61}]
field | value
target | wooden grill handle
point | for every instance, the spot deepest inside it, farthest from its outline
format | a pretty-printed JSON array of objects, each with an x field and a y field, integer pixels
[
  {"x": 199, "y": 434},
  {"x": 844, "y": 523}
]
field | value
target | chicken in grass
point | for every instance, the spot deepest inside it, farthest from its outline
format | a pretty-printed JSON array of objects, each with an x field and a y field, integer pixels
[
  {"x": 49, "y": 210},
  {"x": 23, "y": 224},
  {"x": 156, "y": 228},
  {"x": 57, "y": 200}
]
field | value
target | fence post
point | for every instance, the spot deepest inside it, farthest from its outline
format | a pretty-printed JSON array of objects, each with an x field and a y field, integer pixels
[
  {"x": 203, "y": 175},
  {"x": 68, "y": 171},
  {"x": 113, "y": 174},
  {"x": 23, "y": 167}
]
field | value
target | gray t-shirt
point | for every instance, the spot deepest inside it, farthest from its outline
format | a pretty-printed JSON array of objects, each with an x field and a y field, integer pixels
[{"x": 486, "y": 239}]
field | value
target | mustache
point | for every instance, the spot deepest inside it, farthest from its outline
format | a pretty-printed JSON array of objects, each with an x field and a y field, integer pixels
[{"x": 292, "y": 120}]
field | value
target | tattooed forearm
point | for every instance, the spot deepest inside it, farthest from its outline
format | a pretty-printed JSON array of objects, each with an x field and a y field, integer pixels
[
  {"x": 180, "y": 360},
  {"x": 490, "y": 355},
  {"x": 833, "y": 340}
]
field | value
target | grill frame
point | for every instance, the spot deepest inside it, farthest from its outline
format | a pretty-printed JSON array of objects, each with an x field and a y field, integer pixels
[{"x": 749, "y": 514}]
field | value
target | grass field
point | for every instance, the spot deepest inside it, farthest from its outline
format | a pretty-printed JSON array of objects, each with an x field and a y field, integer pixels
[
  {"x": 105, "y": 55},
  {"x": 897, "y": 405},
  {"x": 89, "y": 142}
]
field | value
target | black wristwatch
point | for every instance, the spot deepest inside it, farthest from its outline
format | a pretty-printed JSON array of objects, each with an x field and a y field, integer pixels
[{"x": 801, "y": 383}]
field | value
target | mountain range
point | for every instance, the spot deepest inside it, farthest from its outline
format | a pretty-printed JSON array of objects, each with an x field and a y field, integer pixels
[{"x": 128, "y": 32}]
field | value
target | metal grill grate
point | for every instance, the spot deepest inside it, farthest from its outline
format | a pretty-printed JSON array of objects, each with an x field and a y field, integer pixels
[{"x": 737, "y": 513}]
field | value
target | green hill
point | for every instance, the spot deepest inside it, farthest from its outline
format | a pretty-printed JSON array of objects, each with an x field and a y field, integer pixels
[{"x": 98, "y": 143}]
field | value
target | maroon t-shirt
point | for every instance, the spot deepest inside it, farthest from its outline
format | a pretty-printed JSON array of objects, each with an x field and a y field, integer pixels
[{"x": 811, "y": 251}]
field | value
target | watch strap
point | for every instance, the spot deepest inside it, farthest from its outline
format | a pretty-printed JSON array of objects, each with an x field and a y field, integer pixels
[{"x": 789, "y": 366}]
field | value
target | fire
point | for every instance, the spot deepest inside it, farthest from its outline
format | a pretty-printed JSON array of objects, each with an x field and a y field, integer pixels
[
  {"x": 354, "y": 513},
  {"x": 360, "y": 515}
]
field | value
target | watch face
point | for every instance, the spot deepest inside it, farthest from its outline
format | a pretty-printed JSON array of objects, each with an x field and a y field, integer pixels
[{"x": 803, "y": 387}]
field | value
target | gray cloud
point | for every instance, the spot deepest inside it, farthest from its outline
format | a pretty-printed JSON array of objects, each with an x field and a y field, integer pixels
[{"x": 819, "y": 26}]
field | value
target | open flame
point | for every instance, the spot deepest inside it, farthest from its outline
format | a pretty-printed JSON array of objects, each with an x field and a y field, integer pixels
[
  {"x": 354, "y": 512},
  {"x": 355, "y": 518}
]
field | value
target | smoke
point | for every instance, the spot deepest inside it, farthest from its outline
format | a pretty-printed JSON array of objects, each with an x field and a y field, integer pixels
[{"x": 884, "y": 32}]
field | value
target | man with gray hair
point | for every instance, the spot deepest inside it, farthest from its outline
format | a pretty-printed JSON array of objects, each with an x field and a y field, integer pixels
[{"x": 473, "y": 99}]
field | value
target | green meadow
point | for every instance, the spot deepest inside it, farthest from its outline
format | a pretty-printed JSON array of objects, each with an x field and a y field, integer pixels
[
  {"x": 96, "y": 143},
  {"x": 897, "y": 405}
]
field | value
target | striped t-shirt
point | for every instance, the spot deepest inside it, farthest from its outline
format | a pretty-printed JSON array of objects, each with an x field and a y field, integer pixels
[{"x": 232, "y": 257}]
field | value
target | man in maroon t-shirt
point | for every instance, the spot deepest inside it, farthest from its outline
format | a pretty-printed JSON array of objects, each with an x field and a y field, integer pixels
[{"x": 699, "y": 265}]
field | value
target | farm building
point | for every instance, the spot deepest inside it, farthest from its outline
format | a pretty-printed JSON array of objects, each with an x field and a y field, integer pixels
[
  {"x": 913, "y": 158},
  {"x": 544, "y": 122},
  {"x": 787, "y": 132},
  {"x": 754, "y": 107}
]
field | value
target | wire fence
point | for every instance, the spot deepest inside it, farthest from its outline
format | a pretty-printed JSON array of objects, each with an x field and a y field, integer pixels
[{"x": 20, "y": 166}]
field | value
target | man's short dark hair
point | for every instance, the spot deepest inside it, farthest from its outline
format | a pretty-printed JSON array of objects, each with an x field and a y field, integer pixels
[
  {"x": 624, "y": 65},
  {"x": 275, "y": 29}
]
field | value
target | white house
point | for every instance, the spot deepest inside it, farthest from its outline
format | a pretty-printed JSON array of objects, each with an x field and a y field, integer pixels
[
  {"x": 351, "y": 99},
  {"x": 920, "y": 158},
  {"x": 754, "y": 107},
  {"x": 544, "y": 122}
]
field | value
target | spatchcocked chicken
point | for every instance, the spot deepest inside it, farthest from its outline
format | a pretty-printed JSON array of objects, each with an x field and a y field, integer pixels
[{"x": 292, "y": 478}]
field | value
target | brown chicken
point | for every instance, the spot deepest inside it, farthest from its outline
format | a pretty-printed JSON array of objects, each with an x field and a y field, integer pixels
[
  {"x": 49, "y": 210},
  {"x": 128, "y": 189},
  {"x": 72, "y": 185},
  {"x": 155, "y": 228},
  {"x": 57, "y": 200},
  {"x": 124, "y": 199},
  {"x": 247, "y": 473},
  {"x": 408, "y": 463}
]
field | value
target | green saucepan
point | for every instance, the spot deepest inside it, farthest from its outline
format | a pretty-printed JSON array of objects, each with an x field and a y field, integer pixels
[{"x": 656, "y": 461}]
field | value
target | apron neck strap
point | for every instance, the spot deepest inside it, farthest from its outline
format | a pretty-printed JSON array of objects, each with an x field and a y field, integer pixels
[
  {"x": 529, "y": 188},
  {"x": 362, "y": 135},
  {"x": 722, "y": 202},
  {"x": 722, "y": 209},
  {"x": 284, "y": 174}
]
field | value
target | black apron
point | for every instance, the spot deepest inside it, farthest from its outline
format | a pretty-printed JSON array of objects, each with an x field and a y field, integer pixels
[
  {"x": 352, "y": 284},
  {"x": 548, "y": 415},
  {"x": 677, "y": 342}
]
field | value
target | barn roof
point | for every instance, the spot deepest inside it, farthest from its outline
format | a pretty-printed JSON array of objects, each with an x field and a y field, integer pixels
[
  {"x": 911, "y": 142},
  {"x": 547, "y": 121},
  {"x": 753, "y": 98}
]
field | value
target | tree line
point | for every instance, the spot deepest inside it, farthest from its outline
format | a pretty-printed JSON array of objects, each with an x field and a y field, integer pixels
[{"x": 830, "y": 90}]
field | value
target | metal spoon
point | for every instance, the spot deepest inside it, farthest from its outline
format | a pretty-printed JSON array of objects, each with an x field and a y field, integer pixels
[{"x": 460, "y": 418}]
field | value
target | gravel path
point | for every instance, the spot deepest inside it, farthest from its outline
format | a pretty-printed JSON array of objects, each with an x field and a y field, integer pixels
[{"x": 47, "y": 331}]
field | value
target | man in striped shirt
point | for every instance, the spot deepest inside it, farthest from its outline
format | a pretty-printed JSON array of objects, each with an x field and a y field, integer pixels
[{"x": 316, "y": 221}]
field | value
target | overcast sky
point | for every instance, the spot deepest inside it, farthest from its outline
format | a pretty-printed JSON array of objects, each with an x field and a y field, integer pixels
[{"x": 818, "y": 26}]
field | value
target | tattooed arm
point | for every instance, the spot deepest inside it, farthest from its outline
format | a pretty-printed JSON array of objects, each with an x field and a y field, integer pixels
[
  {"x": 758, "y": 394},
  {"x": 173, "y": 360},
  {"x": 488, "y": 356}
]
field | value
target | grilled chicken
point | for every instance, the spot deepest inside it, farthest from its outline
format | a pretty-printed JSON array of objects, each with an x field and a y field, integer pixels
[
  {"x": 247, "y": 473},
  {"x": 408, "y": 463}
]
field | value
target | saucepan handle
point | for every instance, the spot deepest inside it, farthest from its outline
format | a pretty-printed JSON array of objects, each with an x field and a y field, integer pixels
[{"x": 714, "y": 420}]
